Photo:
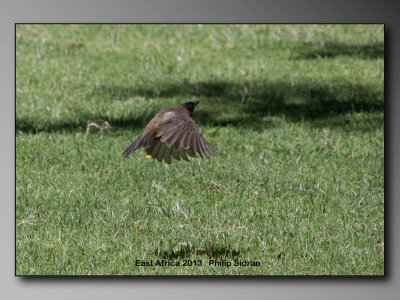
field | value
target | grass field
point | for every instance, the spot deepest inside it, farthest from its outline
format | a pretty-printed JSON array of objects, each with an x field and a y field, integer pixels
[{"x": 295, "y": 114}]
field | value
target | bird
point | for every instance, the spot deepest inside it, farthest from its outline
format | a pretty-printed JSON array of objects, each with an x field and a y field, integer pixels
[{"x": 172, "y": 133}]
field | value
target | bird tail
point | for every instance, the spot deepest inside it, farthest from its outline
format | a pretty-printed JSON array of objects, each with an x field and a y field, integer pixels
[{"x": 133, "y": 147}]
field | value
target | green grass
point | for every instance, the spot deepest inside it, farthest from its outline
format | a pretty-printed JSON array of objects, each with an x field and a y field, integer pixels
[{"x": 295, "y": 114}]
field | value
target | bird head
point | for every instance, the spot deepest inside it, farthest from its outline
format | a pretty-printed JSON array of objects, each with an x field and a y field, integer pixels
[{"x": 190, "y": 106}]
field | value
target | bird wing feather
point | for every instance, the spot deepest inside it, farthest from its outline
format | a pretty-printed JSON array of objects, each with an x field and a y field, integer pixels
[
  {"x": 172, "y": 134},
  {"x": 182, "y": 133}
]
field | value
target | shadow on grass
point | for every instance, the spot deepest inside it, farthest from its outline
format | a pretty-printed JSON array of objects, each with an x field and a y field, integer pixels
[
  {"x": 212, "y": 252},
  {"x": 245, "y": 104},
  {"x": 249, "y": 104},
  {"x": 331, "y": 50},
  {"x": 81, "y": 123}
]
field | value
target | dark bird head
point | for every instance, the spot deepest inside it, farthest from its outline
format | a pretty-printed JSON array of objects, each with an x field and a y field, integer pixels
[{"x": 190, "y": 106}]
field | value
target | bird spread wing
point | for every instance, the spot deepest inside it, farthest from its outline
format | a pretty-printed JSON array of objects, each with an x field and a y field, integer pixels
[{"x": 177, "y": 137}]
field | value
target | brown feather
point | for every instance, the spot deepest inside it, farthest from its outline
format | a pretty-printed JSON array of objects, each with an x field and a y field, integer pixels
[
  {"x": 186, "y": 141},
  {"x": 172, "y": 133},
  {"x": 167, "y": 155},
  {"x": 183, "y": 155},
  {"x": 193, "y": 145},
  {"x": 150, "y": 148},
  {"x": 175, "y": 140},
  {"x": 175, "y": 153},
  {"x": 202, "y": 146},
  {"x": 154, "y": 153},
  {"x": 161, "y": 152},
  {"x": 179, "y": 141}
]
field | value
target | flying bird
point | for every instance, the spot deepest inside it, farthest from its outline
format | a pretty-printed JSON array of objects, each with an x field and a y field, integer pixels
[{"x": 172, "y": 133}]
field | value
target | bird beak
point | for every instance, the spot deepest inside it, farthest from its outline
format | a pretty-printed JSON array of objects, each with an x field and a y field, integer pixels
[{"x": 197, "y": 102}]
